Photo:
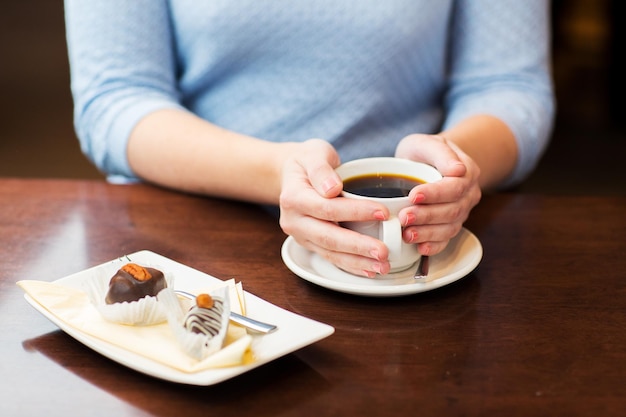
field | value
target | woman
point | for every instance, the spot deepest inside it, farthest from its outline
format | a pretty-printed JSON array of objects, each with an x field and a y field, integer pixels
[{"x": 223, "y": 98}]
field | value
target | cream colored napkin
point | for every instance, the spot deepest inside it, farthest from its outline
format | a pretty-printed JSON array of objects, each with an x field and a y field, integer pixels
[{"x": 156, "y": 342}]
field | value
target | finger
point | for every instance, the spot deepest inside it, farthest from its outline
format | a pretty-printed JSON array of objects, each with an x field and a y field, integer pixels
[
  {"x": 447, "y": 190},
  {"x": 437, "y": 214},
  {"x": 332, "y": 237},
  {"x": 321, "y": 170},
  {"x": 325, "y": 180},
  {"x": 337, "y": 209},
  {"x": 354, "y": 264},
  {"x": 431, "y": 233},
  {"x": 349, "y": 250},
  {"x": 435, "y": 150},
  {"x": 431, "y": 248}
]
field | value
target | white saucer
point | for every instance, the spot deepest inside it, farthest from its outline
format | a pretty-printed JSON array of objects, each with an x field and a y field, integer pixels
[{"x": 460, "y": 257}]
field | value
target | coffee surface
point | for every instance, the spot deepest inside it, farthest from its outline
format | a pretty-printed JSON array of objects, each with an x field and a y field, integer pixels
[{"x": 381, "y": 185}]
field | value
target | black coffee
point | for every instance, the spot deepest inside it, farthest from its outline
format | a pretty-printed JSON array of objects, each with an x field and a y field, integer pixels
[{"x": 381, "y": 185}]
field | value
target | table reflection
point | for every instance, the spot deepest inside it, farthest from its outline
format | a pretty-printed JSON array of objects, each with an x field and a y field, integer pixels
[{"x": 258, "y": 387}]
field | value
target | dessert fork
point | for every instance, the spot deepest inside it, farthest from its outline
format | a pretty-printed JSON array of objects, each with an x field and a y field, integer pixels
[{"x": 247, "y": 322}]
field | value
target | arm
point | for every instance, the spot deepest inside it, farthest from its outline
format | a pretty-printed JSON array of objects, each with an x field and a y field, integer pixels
[
  {"x": 122, "y": 68},
  {"x": 209, "y": 160},
  {"x": 490, "y": 144},
  {"x": 215, "y": 161},
  {"x": 131, "y": 124},
  {"x": 128, "y": 113},
  {"x": 500, "y": 114},
  {"x": 500, "y": 87}
]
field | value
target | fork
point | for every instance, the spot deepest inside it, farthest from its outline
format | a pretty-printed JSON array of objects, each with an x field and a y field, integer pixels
[{"x": 247, "y": 322}]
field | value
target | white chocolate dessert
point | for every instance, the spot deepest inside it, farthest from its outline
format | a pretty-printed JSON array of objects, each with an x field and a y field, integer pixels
[
  {"x": 200, "y": 326},
  {"x": 206, "y": 316}
]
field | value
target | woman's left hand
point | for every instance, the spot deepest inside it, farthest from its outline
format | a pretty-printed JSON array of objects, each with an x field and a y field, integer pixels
[{"x": 439, "y": 209}]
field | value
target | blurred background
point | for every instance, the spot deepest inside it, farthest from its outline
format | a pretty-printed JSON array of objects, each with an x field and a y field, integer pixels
[{"x": 586, "y": 154}]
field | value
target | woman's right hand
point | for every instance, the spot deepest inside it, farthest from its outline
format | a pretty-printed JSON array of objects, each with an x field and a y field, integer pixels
[{"x": 311, "y": 209}]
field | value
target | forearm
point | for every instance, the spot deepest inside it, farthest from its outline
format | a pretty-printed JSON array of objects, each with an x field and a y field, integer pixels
[
  {"x": 178, "y": 150},
  {"x": 490, "y": 143}
]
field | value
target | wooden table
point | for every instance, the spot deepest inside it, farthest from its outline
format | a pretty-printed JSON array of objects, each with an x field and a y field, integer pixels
[{"x": 539, "y": 328}]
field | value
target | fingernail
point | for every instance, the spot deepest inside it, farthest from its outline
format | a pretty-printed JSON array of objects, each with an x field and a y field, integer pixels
[
  {"x": 376, "y": 267},
  {"x": 382, "y": 268},
  {"x": 379, "y": 215},
  {"x": 375, "y": 254},
  {"x": 329, "y": 184},
  {"x": 369, "y": 274},
  {"x": 419, "y": 197},
  {"x": 410, "y": 218}
]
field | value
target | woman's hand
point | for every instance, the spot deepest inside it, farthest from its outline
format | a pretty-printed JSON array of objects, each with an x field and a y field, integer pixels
[
  {"x": 440, "y": 208},
  {"x": 310, "y": 213}
]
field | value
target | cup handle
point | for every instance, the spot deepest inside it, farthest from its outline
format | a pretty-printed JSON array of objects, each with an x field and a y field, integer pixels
[{"x": 390, "y": 232}]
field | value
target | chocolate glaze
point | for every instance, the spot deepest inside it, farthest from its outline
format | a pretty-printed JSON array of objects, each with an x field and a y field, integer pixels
[
  {"x": 124, "y": 287},
  {"x": 207, "y": 321}
]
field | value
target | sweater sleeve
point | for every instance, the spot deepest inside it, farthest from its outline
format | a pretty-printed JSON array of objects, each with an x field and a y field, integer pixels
[
  {"x": 122, "y": 68},
  {"x": 500, "y": 66}
]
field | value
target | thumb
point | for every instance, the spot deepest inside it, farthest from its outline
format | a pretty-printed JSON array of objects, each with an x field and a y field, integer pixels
[
  {"x": 320, "y": 165},
  {"x": 325, "y": 181},
  {"x": 435, "y": 150}
]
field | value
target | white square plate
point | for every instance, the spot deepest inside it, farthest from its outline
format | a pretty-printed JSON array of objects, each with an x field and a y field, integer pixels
[{"x": 294, "y": 331}]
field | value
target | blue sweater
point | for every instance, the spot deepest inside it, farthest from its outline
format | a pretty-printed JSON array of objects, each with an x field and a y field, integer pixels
[{"x": 360, "y": 74}]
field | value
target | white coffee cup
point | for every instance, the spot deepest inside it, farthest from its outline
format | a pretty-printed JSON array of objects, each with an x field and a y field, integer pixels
[{"x": 402, "y": 255}]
